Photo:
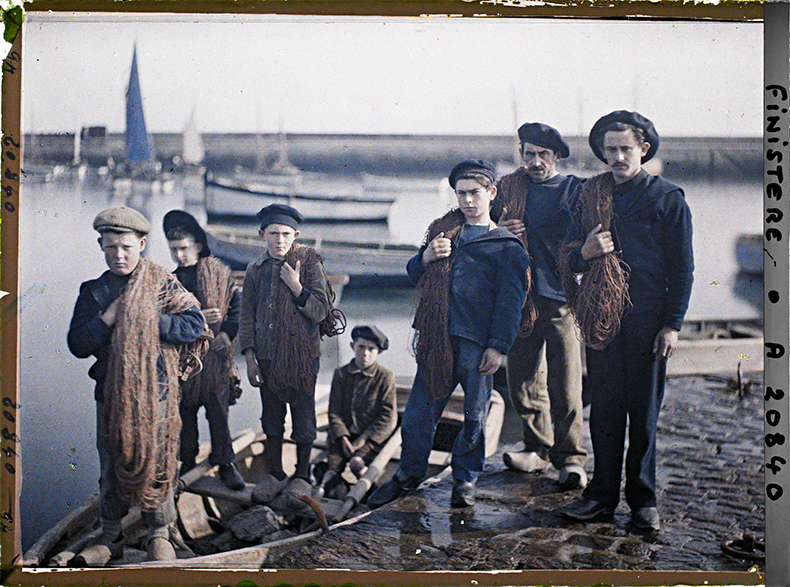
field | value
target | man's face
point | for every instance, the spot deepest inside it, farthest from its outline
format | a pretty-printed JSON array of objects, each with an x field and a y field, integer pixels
[
  {"x": 623, "y": 154},
  {"x": 122, "y": 251},
  {"x": 365, "y": 352},
  {"x": 279, "y": 238},
  {"x": 184, "y": 252},
  {"x": 474, "y": 200},
  {"x": 540, "y": 162}
]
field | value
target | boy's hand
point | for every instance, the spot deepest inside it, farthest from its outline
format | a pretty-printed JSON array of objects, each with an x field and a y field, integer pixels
[
  {"x": 110, "y": 315},
  {"x": 253, "y": 371},
  {"x": 438, "y": 248},
  {"x": 665, "y": 342},
  {"x": 598, "y": 243},
  {"x": 220, "y": 342},
  {"x": 491, "y": 361},
  {"x": 359, "y": 442},
  {"x": 348, "y": 448},
  {"x": 290, "y": 276},
  {"x": 514, "y": 225},
  {"x": 212, "y": 315}
]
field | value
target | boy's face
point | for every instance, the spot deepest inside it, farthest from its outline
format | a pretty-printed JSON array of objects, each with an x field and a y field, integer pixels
[
  {"x": 122, "y": 251},
  {"x": 474, "y": 200},
  {"x": 365, "y": 352},
  {"x": 279, "y": 238},
  {"x": 184, "y": 252}
]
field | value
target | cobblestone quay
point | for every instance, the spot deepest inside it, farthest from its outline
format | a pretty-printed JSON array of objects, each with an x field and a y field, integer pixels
[{"x": 710, "y": 479}]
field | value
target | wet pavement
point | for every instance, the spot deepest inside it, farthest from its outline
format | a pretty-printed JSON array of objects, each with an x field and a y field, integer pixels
[{"x": 710, "y": 479}]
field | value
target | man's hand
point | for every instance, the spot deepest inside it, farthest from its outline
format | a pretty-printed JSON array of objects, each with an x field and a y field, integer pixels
[
  {"x": 220, "y": 342},
  {"x": 665, "y": 342},
  {"x": 514, "y": 225},
  {"x": 212, "y": 315},
  {"x": 491, "y": 361},
  {"x": 110, "y": 315},
  {"x": 438, "y": 248},
  {"x": 598, "y": 243},
  {"x": 253, "y": 371},
  {"x": 290, "y": 276},
  {"x": 348, "y": 448}
]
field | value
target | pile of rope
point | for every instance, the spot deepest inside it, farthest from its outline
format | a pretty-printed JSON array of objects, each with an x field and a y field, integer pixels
[
  {"x": 599, "y": 299},
  {"x": 140, "y": 408},
  {"x": 431, "y": 344}
]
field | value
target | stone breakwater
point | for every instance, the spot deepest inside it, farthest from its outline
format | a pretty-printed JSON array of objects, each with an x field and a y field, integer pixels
[{"x": 710, "y": 479}]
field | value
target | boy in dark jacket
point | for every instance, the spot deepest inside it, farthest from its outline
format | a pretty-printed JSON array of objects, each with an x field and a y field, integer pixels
[
  {"x": 284, "y": 299},
  {"x": 472, "y": 277},
  {"x": 211, "y": 282},
  {"x": 627, "y": 217},
  {"x": 363, "y": 409},
  {"x": 135, "y": 319}
]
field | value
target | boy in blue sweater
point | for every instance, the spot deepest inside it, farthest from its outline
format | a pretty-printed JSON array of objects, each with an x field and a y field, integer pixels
[{"x": 472, "y": 277}]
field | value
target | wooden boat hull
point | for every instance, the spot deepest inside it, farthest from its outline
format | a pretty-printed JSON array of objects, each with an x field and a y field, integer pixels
[
  {"x": 206, "y": 496},
  {"x": 319, "y": 201}
]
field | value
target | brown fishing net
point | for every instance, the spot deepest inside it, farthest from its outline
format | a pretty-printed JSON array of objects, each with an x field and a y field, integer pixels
[
  {"x": 140, "y": 411},
  {"x": 599, "y": 299},
  {"x": 293, "y": 366},
  {"x": 215, "y": 288},
  {"x": 512, "y": 198}
]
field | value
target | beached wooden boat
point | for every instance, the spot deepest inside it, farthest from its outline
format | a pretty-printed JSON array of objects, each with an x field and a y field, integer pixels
[
  {"x": 366, "y": 264},
  {"x": 207, "y": 509},
  {"x": 320, "y": 198}
]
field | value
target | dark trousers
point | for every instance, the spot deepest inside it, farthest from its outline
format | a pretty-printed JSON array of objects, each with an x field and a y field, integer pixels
[
  {"x": 627, "y": 385},
  {"x": 217, "y": 415}
]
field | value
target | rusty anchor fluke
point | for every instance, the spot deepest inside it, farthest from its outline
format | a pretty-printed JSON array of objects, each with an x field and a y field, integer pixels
[{"x": 747, "y": 548}]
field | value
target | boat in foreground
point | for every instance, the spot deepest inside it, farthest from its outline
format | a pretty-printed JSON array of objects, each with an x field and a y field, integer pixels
[{"x": 220, "y": 528}]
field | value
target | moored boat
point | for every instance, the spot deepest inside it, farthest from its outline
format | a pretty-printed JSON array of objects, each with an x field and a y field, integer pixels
[
  {"x": 320, "y": 198},
  {"x": 212, "y": 519}
]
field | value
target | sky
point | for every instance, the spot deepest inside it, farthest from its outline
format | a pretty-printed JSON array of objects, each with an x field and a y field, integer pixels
[{"x": 391, "y": 75}]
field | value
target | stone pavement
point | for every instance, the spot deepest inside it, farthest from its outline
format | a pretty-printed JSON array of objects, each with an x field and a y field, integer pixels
[{"x": 710, "y": 478}]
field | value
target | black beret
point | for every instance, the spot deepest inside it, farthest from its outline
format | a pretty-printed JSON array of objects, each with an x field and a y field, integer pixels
[
  {"x": 371, "y": 333},
  {"x": 624, "y": 116},
  {"x": 544, "y": 136},
  {"x": 121, "y": 219},
  {"x": 471, "y": 166},
  {"x": 186, "y": 222},
  {"x": 279, "y": 214}
]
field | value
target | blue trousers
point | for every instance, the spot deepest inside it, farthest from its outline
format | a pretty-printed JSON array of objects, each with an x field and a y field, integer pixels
[
  {"x": 423, "y": 411},
  {"x": 627, "y": 386}
]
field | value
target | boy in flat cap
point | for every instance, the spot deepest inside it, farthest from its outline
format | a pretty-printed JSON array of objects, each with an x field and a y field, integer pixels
[
  {"x": 363, "y": 409},
  {"x": 284, "y": 299},
  {"x": 136, "y": 320},
  {"x": 631, "y": 240},
  {"x": 472, "y": 277},
  {"x": 544, "y": 366},
  {"x": 210, "y": 281}
]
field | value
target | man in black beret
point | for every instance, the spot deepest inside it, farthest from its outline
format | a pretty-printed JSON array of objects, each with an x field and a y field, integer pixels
[
  {"x": 214, "y": 387},
  {"x": 544, "y": 367},
  {"x": 634, "y": 229},
  {"x": 363, "y": 409}
]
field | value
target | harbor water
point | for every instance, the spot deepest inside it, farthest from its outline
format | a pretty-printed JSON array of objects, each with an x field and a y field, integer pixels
[{"x": 59, "y": 250}]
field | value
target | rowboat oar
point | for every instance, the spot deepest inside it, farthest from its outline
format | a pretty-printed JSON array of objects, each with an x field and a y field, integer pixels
[{"x": 375, "y": 469}]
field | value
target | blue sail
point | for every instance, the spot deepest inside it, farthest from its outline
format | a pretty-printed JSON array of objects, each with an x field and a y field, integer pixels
[{"x": 138, "y": 148}]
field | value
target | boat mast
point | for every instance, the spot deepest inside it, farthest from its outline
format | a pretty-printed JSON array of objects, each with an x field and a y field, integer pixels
[{"x": 138, "y": 147}]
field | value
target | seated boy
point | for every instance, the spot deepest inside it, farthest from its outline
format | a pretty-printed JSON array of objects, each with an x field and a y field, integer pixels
[
  {"x": 210, "y": 281},
  {"x": 134, "y": 319},
  {"x": 283, "y": 301},
  {"x": 363, "y": 409},
  {"x": 472, "y": 278}
]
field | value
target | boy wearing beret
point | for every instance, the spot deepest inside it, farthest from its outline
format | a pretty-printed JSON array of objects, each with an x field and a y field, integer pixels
[
  {"x": 472, "y": 277},
  {"x": 284, "y": 299},
  {"x": 631, "y": 240},
  {"x": 136, "y": 320},
  {"x": 544, "y": 371},
  {"x": 211, "y": 282},
  {"x": 363, "y": 409}
]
